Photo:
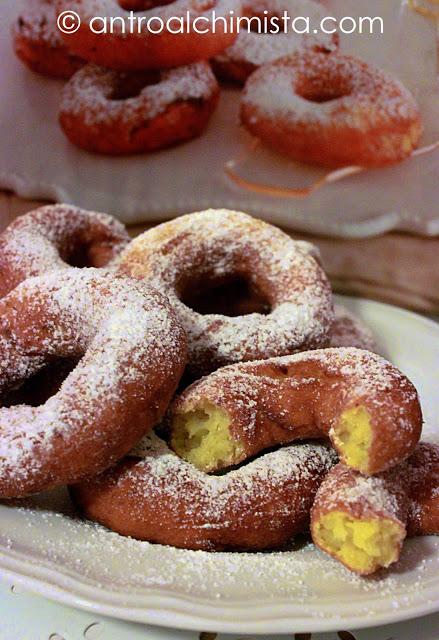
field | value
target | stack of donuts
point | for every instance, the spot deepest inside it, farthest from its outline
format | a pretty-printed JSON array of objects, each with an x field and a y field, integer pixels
[
  {"x": 133, "y": 91},
  {"x": 196, "y": 387}
]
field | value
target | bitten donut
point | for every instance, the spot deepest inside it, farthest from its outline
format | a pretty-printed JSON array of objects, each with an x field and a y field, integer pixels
[
  {"x": 57, "y": 237},
  {"x": 190, "y": 255},
  {"x": 252, "y": 48},
  {"x": 366, "y": 406},
  {"x": 115, "y": 113},
  {"x": 163, "y": 499},
  {"x": 331, "y": 110},
  {"x": 363, "y": 522},
  {"x": 131, "y": 353},
  {"x": 165, "y": 35},
  {"x": 38, "y": 42}
]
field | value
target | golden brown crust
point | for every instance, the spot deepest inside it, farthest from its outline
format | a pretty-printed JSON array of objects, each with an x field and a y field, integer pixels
[
  {"x": 422, "y": 485},
  {"x": 166, "y": 500},
  {"x": 407, "y": 495},
  {"x": 303, "y": 396},
  {"x": 94, "y": 120},
  {"x": 252, "y": 49},
  {"x": 331, "y": 110},
  {"x": 214, "y": 246},
  {"x": 38, "y": 43},
  {"x": 57, "y": 237},
  {"x": 131, "y": 351},
  {"x": 146, "y": 50}
]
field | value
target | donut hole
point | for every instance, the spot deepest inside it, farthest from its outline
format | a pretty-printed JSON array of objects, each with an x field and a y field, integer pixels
[
  {"x": 230, "y": 296},
  {"x": 36, "y": 390},
  {"x": 142, "y": 5},
  {"x": 146, "y": 5},
  {"x": 131, "y": 85},
  {"x": 322, "y": 89},
  {"x": 89, "y": 254}
]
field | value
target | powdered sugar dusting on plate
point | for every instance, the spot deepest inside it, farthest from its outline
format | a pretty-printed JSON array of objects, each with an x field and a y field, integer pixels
[{"x": 104, "y": 559}]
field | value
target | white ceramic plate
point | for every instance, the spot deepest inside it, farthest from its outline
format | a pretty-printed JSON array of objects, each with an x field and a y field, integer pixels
[
  {"x": 36, "y": 161},
  {"x": 77, "y": 563}
]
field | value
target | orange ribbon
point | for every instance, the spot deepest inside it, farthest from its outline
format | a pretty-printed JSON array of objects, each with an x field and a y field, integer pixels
[
  {"x": 427, "y": 8},
  {"x": 232, "y": 166}
]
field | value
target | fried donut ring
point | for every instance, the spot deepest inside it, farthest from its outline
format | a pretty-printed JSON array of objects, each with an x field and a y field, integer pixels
[
  {"x": 331, "y": 110},
  {"x": 126, "y": 49},
  {"x": 115, "y": 113},
  {"x": 251, "y": 50},
  {"x": 163, "y": 499},
  {"x": 38, "y": 43},
  {"x": 131, "y": 352},
  {"x": 57, "y": 237},
  {"x": 350, "y": 331},
  {"x": 362, "y": 522},
  {"x": 366, "y": 406},
  {"x": 201, "y": 250}
]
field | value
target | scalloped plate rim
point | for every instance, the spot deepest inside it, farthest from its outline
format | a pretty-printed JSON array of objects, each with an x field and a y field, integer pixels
[{"x": 156, "y": 606}]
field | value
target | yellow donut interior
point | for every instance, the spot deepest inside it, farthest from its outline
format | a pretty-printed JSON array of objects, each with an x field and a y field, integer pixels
[
  {"x": 353, "y": 437},
  {"x": 203, "y": 438},
  {"x": 363, "y": 545}
]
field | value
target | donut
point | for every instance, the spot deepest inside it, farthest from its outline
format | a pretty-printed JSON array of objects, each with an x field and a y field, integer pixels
[
  {"x": 331, "y": 110},
  {"x": 362, "y": 522},
  {"x": 253, "y": 49},
  {"x": 150, "y": 42},
  {"x": 116, "y": 113},
  {"x": 57, "y": 237},
  {"x": 188, "y": 256},
  {"x": 131, "y": 352},
  {"x": 347, "y": 330},
  {"x": 369, "y": 410},
  {"x": 37, "y": 41},
  {"x": 153, "y": 495},
  {"x": 350, "y": 331}
]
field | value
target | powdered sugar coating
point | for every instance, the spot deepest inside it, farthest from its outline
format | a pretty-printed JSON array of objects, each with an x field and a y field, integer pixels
[
  {"x": 162, "y": 37},
  {"x": 38, "y": 43},
  {"x": 217, "y": 491},
  {"x": 217, "y": 244},
  {"x": 329, "y": 98},
  {"x": 197, "y": 8},
  {"x": 131, "y": 353},
  {"x": 371, "y": 95},
  {"x": 350, "y": 331},
  {"x": 407, "y": 494},
  {"x": 381, "y": 496},
  {"x": 98, "y": 557},
  {"x": 164, "y": 499},
  {"x": 37, "y": 23},
  {"x": 42, "y": 240},
  {"x": 304, "y": 395},
  {"x": 251, "y": 49},
  {"x": 89, "y": 94}
]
